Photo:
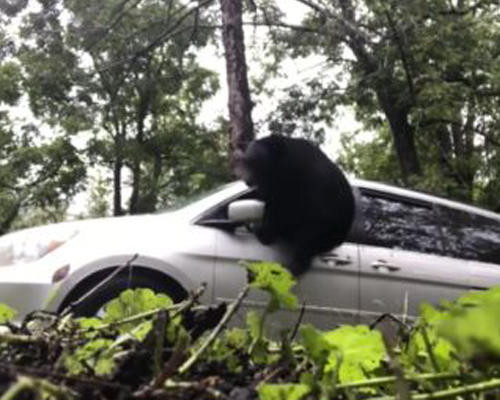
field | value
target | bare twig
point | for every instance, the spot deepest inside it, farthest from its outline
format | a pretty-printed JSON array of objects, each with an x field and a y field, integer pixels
[
  {"x": 166, "y": 33},
  {"x": 452, "y": 393},
  {"x": 213, "y": 335},
  {"x": 299, "y": 321},
  {"x": 173, "y": 362},
  {"x": 402, "y": 387},
  {"x": 39, "y": 387},
  {"x": 14, "y": 338},
  {"x": 160, "y": 326},
  {"x": 193, "y": 298},
  {"x": 391, "y": 379},
  {"x": 15, "y": 370},
  {"x": 118, "y": 18},
  {"x": 101, "y": 284},
  {"x": 178, "y": 308},
  {"x": 390, "y": 316}
]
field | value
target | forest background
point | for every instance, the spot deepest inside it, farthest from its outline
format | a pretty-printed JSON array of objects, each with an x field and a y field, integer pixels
[{"x": 120, "y": 99}]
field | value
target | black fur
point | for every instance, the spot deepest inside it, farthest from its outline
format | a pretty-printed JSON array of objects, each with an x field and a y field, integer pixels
[{"x": 309, "y": 203}]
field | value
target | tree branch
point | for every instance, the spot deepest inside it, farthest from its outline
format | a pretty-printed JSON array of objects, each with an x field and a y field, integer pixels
[
  {"x": 402, "y": 52},
  {"x": 121, "y": 13}
]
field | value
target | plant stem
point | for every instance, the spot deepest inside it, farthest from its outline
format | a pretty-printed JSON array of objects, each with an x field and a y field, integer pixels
[
  {"x": 13, "y": 338},
  {"x": 179, "y": 308},
  {"x": 454, "y": 392},
  {"x": 402, "y": 387},
  {"x": 213, "y": 335},
  {"x": 100, "y": 285},
  {"x": 429, "y": 349},
  {"x": 390, "y": 379},
  {"x": 40, "y": 387}
]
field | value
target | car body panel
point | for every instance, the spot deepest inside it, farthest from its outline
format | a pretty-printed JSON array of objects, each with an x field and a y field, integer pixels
[
  {"x": 329, "y": 291},
  {"x": 408, "y": 279}
]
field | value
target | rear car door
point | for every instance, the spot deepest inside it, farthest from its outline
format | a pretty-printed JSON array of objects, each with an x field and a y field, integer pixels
[{"x": 402, "y": 257}]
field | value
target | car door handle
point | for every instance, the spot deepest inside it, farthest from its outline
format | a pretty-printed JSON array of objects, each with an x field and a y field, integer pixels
[
  {"x": 384, "y": 266},
  {"x": 335, "y": 260}
]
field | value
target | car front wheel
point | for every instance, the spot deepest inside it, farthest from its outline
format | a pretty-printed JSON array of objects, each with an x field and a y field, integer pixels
[{"x": 89, "y": 299}]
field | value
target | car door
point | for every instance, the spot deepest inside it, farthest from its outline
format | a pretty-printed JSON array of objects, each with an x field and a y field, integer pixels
[
  {"x": 402, "y": 257},
  {"x": 329, "y": 290}
]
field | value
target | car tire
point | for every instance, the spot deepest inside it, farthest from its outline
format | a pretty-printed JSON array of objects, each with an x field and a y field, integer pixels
[{"x": 82, "y": 306}]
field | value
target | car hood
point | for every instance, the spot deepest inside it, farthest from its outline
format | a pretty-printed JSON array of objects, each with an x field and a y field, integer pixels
[{"x": 86, "y": 225}]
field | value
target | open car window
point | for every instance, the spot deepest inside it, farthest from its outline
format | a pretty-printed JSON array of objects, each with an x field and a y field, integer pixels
[{"x": 219, "y": 214}]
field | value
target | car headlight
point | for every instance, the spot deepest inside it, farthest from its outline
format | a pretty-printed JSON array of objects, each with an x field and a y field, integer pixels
[{"x": 32, "y": 244}]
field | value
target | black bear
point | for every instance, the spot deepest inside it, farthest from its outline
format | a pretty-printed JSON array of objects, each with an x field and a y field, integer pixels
[{"x": 309, "y": 204}]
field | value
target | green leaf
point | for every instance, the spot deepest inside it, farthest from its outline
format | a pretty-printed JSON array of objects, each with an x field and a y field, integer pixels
[
  {"x": 132, "y": 302},
  {"x": 7, "y": 314},
  {"x": 90, "y": 323},
  {"x": 276, "y": 280},
  {"x": 361, "y": 348},
  {"x": 254, "y": 322},
  {"x": 416, "y": 356},
  {"x": 474, "y": 331},
  {"x": 283, "y": 391},
  {"x": 315, "y": 343},
  {"x": 93, "y": 354}
]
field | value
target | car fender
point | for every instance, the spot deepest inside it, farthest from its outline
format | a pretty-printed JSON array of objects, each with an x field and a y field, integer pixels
[{"x": 61, "y": 291}]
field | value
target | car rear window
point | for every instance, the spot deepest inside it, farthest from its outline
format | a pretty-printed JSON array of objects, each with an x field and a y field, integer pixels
[
  {"x": 471, "y": 236},
  {"x": 399, "y": 223}
]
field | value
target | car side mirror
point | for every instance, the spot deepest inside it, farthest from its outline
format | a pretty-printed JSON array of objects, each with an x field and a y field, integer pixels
[{"x": 246, "y": 211}]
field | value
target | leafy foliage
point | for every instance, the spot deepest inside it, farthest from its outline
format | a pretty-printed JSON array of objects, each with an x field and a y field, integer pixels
[
  {"x": 361, "y": 352},
  {"x": 452, "y": 350},
  {"x": 275, "y": 280},
  {"x": 421, "y": 76},
  {"x": 6, "y": 313},
  {"x": 283, "y": 391}
]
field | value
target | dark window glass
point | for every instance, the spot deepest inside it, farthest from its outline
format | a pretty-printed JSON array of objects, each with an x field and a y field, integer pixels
[
  {"x": 471, "y": 236},
  {"x": 399, "y": 224}
]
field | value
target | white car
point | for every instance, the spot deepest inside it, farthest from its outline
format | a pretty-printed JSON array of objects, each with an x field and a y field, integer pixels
[{"x": 405, "y": 248}]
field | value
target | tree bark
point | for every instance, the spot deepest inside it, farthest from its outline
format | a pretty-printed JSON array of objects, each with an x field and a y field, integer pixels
[
  {"x": 404, "y": 138},
  {"x": 117, "y": 187},
  {"x": 385, "y": 89},
  {"x": 8, "y": 219},
  {"x": 119, "y": 140},
  {"x": 239, "y": 103}
]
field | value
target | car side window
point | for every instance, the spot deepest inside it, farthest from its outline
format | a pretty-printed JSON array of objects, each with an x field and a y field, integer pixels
[
  {"x": 471, "y": 236},
  {"x": 399, "y": 223}
]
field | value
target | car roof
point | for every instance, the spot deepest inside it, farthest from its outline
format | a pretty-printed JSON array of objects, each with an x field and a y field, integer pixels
[
  {"x": 236, "y": 188},
  {"x": 413, "y": 194}
]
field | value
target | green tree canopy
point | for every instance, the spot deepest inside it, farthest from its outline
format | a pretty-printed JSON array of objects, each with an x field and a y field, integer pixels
[{"x": 427, "y": 72}]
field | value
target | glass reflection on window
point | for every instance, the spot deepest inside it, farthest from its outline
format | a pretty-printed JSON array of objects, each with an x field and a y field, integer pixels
[
  {"x": 471, "y": 236},
  {"x": 400, "y": 225}
]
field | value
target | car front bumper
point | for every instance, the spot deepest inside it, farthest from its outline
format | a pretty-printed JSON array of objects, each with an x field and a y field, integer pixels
[{"x": 24, "y": 291}]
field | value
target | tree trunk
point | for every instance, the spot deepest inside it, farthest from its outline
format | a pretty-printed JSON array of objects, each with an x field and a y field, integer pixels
[
  {"x": 404, "y": 142},
  {"x": 117, "y": 171},
  {"x": 239, "y": 103},
  {"x": 117, "y": 187},
  {"x": 142, "y": 112},
  {"x": 8, "y": 219},
  {"x": 402, "y": 132}
]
